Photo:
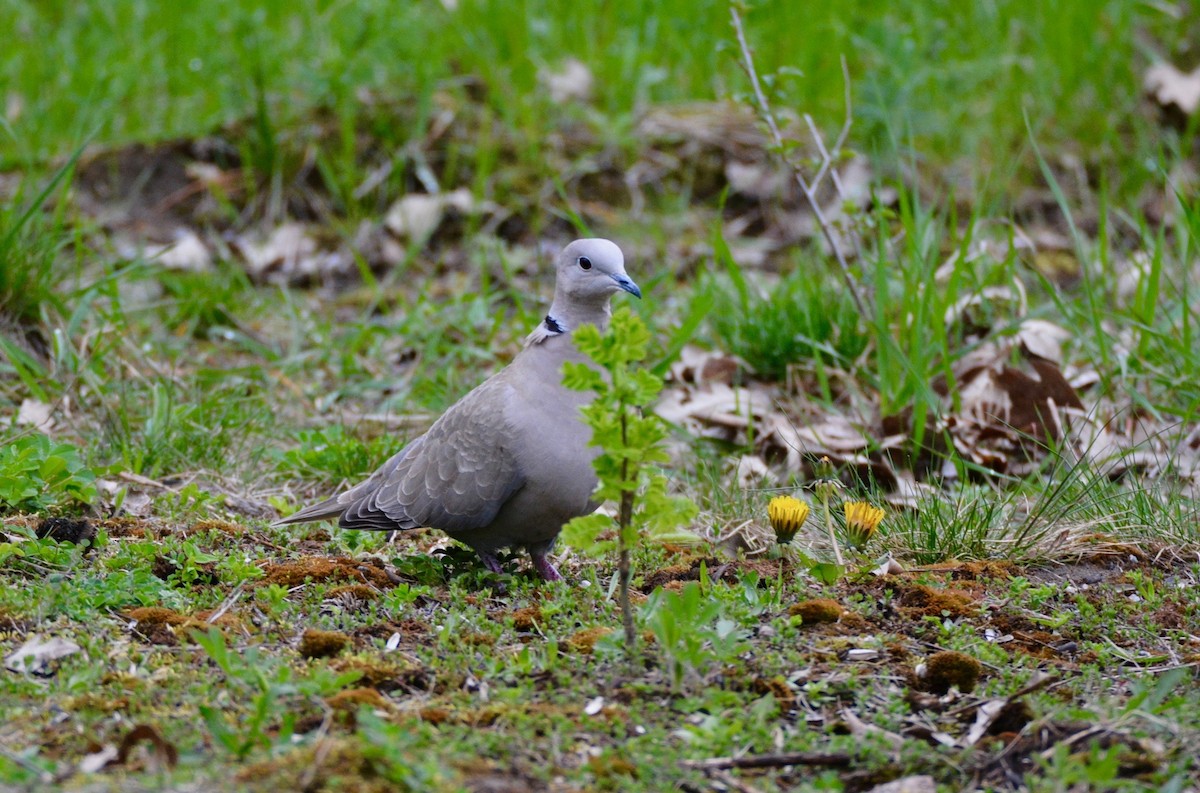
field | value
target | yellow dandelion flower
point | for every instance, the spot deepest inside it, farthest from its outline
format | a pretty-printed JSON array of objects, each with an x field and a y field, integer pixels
[
  {"x": 862, "y": 520},
  {"x": 787, "y": 515}
]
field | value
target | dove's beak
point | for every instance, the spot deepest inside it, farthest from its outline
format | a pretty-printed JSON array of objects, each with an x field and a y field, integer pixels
[{"x": 626, "y": 283}]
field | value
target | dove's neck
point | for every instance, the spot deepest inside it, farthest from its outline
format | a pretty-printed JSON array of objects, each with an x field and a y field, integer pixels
[{"x": 567, "y": 315}]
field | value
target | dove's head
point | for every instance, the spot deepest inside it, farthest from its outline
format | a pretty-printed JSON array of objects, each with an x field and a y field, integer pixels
[{"x": 591, "y": 271}]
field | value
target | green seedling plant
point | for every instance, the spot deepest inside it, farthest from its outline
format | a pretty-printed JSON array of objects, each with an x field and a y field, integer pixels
[
  {"x": 691, "y": 631},
  {"x": 268, "y": 688},
  {"x": 631, "y": 443},
  {"x": 37, "y": 473}
]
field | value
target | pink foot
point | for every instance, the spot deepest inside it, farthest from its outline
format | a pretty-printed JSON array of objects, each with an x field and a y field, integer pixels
[{"x": 545, "y": 568}]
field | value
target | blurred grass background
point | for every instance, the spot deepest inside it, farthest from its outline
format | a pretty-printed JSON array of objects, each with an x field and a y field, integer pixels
[{"x": 936, "y": 83}]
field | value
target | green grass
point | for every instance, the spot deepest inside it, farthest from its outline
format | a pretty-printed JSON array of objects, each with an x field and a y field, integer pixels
[{"x": 943, "y": 84}]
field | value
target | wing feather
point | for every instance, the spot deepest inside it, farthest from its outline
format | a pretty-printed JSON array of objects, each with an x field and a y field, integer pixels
[{"x": 455, "y": 477}]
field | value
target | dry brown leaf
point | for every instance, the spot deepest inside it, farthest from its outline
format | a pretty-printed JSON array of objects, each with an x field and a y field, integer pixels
[
  {"x": 187, "y": 253},
  {"x": 921, "y": 783},
  {"x": 1043, "y": 339},
  {"x": 1012, "y": 402},
  {"x": 98, "y": 760},
  {"x": 832, "y": 436},
  {"x": 33, "y": 413},
  {"x": 37, "y": 653},
  {"x": 162, "y": 754},
  {"x": 714, "y": 409},
  {"x": 752, "y": 471},
  {"x": 417, "y": 216},
  {"x": 1171, "y": 87},
  {"x": 290, "y": 254},
  {"x": 570, "y": 81},
  {"x": 697, "y": 366}
]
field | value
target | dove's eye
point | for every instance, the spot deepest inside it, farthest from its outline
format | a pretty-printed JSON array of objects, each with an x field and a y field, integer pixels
[{"x": 585, "y": 263}]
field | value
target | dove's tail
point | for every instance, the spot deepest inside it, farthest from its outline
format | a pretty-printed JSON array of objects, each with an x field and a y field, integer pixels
[{"x": 329, "y": 509}]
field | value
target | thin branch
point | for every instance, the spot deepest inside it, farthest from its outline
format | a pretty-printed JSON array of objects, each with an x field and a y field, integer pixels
[{"x": 810, "y": 193}]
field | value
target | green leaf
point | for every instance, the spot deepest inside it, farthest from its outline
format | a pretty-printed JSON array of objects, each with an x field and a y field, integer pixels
[
  {"x": 827, "y": 572},
  {"x": 581, "y": 377},
  {"x": 583, "y": 533}
]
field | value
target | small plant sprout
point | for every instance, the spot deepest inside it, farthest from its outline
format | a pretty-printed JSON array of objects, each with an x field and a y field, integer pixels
[
  {"x": 862, "y": 520},
  {"x": 787, "y": 514},
  {"x": 631, "y": 443}
]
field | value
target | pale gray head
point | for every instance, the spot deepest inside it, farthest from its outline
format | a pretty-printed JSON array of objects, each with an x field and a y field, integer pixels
[
  {"x": 591, "y": 271},
  {"x": 588, "y": 273}
]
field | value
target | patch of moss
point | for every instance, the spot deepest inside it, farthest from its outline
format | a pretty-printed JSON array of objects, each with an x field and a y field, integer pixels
[
  {"x": 675, "y": 572},
  {"x": 489, "y": 715},
  {"x": 609, "y": 766},
  {"x": 477, "y": 639},
  {"x": 527, "y": 619},
  {"x": 150, "y": 616},
  {"x": 122, "y": 680},
  {"x": 360, "y": 591},
  {"x": 354, "y": 698},
  {"x": 127, "y": 527},
  {"x": 778, "y": 688},
  {"x": 384, "y": 676},
  {"x": 95, "y": 702},
  {"x": 299, "y": 571},
  {"x": 151, "y": 620},
  {"x": 321, "y": 569},
  {"x": 970, "y": 571},
  {"x": 222, "y": 526},
  {"x": 435, "y": 715},
  {"x": 817, "y": 611},
  {"x": 226, "y": 620},
  {"x": 584, "y": 641},
  {"x": 333, "y": 764},
  {"x": 930, "y": 602},
  {"x": 322, "y": 644},
  {"x": 949, "y": 669}
]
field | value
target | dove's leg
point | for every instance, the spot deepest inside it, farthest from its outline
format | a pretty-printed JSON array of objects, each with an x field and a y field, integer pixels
[
  {"x": 544, "y": 567},
  {"x": 490, "y": 561}
]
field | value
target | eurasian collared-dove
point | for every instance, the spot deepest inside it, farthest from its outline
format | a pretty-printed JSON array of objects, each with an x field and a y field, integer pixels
[{"x": 510, "y": 463}]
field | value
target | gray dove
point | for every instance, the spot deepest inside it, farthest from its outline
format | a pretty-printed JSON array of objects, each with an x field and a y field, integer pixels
[{"x": 509, "y": 463}]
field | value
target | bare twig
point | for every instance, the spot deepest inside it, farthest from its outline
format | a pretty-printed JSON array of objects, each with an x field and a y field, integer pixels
[
  {"x": 226, "y": 604},
  {"x": 731, "y": 782},
  {"x": 828, "y": 158},
  {"x": 624, "y": 518}
]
